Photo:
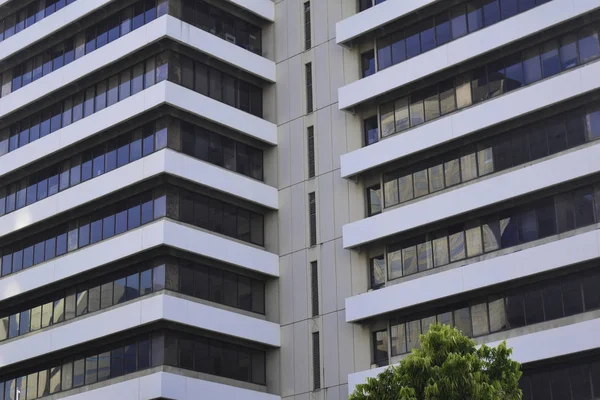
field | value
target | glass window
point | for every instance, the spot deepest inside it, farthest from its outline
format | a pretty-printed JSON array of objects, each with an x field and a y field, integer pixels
[
  {"x": 440, "y": 251},
  {"x": 401, "y": 114},
  {"x": 458, "y": 17},
  {"x": 580, "y": 381},
  {"x": 553, "y": 308},
  {"x": 413, "y": 41},
  {"x": 436, "y": 178},
  {"x": 572, "y": 297},
  {"x": 398, "y": 47},
  {"x": 367, "y": 63},
  {"x": 91, "y": 369},
  {"x": 463, "y": 91},
  {"x": 589, "y": 44},
  {"x": 531, "y": 65},
  {"x": 413, "y": 330},
  {"x": 371, "y": 131},
  {"x": 432, "y": 104},
  {"x": 491, "y": 12},
  {"x": 409, "y": 260},
  {"x": 417, "y": 111},
  {"x": 515, "y": 311},
  {"x": 374, "y": 196},
  {"x": 528, "y": 230},
  {"x": 550, "y": 58},
  {"x": 380, "y": 347},
  {"x": 534, "y": 306},
  {"x": 427, "y": 34},
  {"x": 452, "y": 172},
  {"x": 447, "y": 97},
  {"x": 443, "y": 32},
  {"x": 398, "y": 334},
  {"x": 425, "y": 256},
  {"x": 132, "y": 286},
  {"x": 584, "y": 207},
  {"x": 546, "y": 218},
  {"x": 377, "y": 272},
  {"x": 106, "y": 295},
  {"x": 119, "y": 291},
  {"x": 394, "y": 256},
  {"x": 593, "y": 123},
  {"x": 421, "y": 186},
  {"x": 497, "y": 314},
  {"x": 387, "y": 119},
  {"x": 479, "y": 85},
  {"x": 474, "y": 15},
  {"x": 568, "y": 51},
  {"x": 78, "y": 372},
  {"x": 479, "y": 317},
  {"x": 457, "y": 245},
  {"x": 591, "y": 295},
  {"x": 473, "y": 239},
  {"x": 513, "y": 68},
  {"x": 462, "y": 321}
]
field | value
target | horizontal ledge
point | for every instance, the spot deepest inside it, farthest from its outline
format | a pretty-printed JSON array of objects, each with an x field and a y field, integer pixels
[
  {"x": 375, "y": 17},
  {"x": 145, "y": 310},
  {"x": 164, "y": 161},
  {"x": 49, "y": 25},
  {"x": 546, "y": 93},
  {"x": 163, "y": 27},
  {"x": 162, "y": 93},
  {"x": 436, "y": 286},
  {"x": 543, "y": 345},
  {"x": 472, "y": 196},
  {"x": 164, "y": 232},
  {"x": 460, "y": 50}
]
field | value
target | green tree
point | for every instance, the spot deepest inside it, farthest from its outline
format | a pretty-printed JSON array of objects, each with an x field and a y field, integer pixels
[{"x": 448, "y": 366}]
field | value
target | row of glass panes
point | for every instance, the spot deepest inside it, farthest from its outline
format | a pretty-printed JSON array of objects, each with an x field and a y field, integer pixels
[
  {"x": 531, "y": 221},
  {"x": 222, "y": 24},
  {"x": 571, "y": 381},
  {"x": 510, "y": 149},
  {"x": 176, "y": 349},
  {"x": 103, "y": 224},
  {"x": 182, "y": 205},
  {"x": 174, "y": 274},
  {"x": 216, "y": 216},
  {"x": 84, "y": 166},
  {"x": 61, "y": 375},
  {"x": 83, "y": 43},
  {"x": 215, "y": 357},
  {"x": 216, "y": 84},
  {"x": 86, "y": 102},
  {"x": 222, "y": 151},
  {"x": 365, "y": 4},
  {"x": 451, "y": 24},
  {"x": 125, "y": 84},
  {"x": 32, "y": 13},
  {"x": 195, "y": 141},
  {"x": 532, "y": 304},
  {"x": 488, "y": 81}
]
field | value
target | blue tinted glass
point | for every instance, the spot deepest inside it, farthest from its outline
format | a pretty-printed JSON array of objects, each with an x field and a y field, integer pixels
[
  {"x": 525, "y": 5},
  {"x": 458, "y": 19},
  {"x": 550, "y": 59},
  {"x": 413, "y": 45},
  {"x": 509, "y": 232},
  {"x": 508, "y": 8},
  {"x": 491, "y": 12},
  {"x": 427, "y": 38},
  {"x": 474, "y": 16},
  {"x": 442, "y": 29}
]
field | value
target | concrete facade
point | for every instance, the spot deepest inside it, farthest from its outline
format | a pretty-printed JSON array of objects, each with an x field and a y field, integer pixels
[{"x": 322, "y": 299}]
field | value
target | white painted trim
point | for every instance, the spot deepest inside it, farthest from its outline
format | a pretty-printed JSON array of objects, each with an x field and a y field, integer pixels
[
  {"x": 478, "y": 275},
  {"x": 468, "y": 121},
  {"x": 164, "y": 161},
  {"x": 461, "y": 50},
  {"x": 486, "y": 192},
  {"x": 262, "y": 8},
  {"x": 163, "y": 27},
  {"x": 375, "y": 17},
  {"x": 158, "y": 233},
  {"x": 132, "y": 315},
  {"x": 543, "y": 345},
  {"x": 169, "y": 386},
  {"x": 49, "y": 25},
  {"x": 161, "y": 93}
]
